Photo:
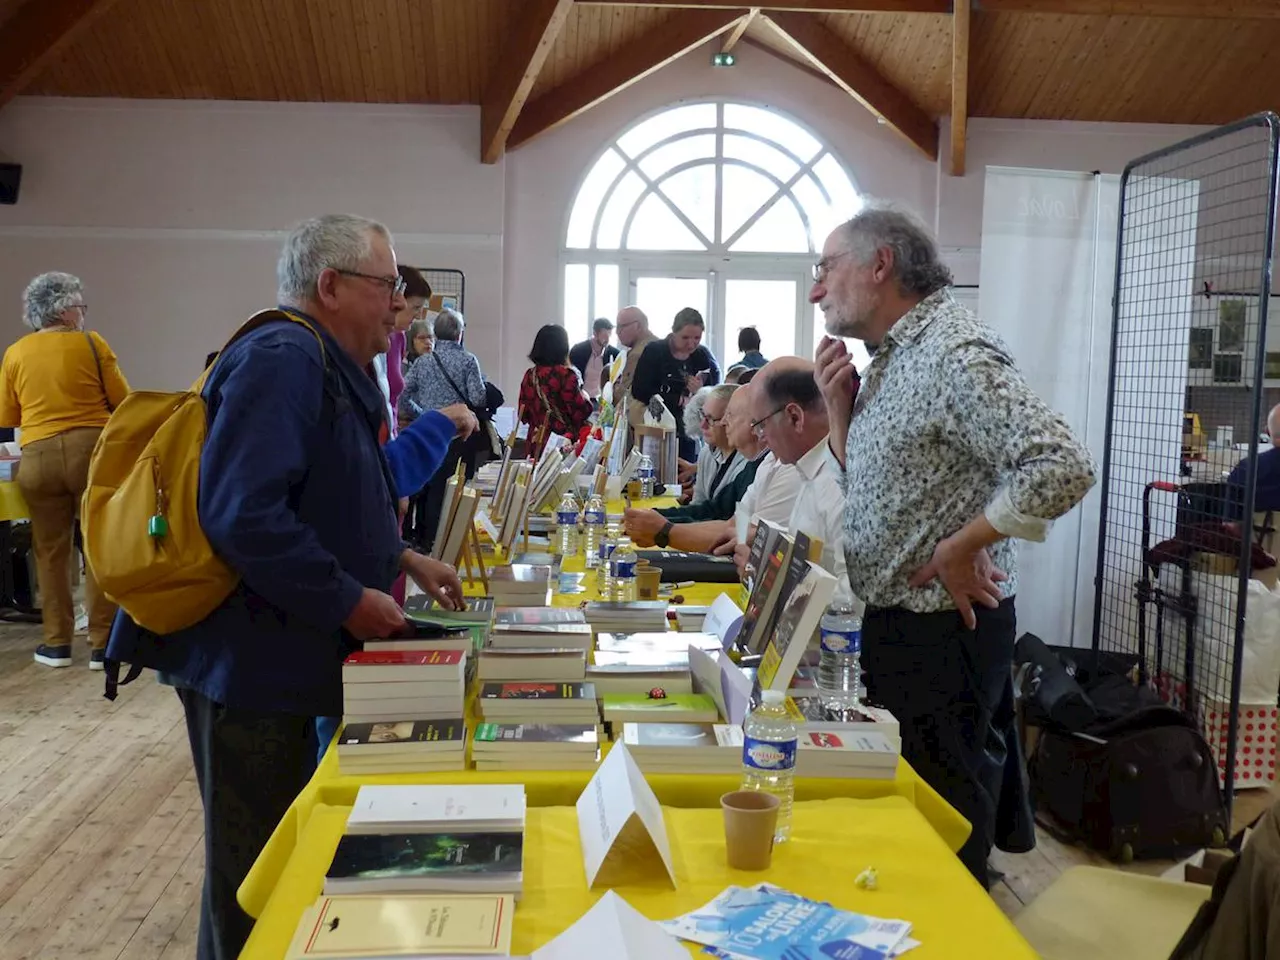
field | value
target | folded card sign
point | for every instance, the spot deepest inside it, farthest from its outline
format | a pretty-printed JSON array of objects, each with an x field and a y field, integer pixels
[{"x": 620, "y": 823}]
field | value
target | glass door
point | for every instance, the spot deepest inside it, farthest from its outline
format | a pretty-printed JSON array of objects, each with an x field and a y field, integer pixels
[
  {"x": 661, "y": 295},
  {"x": 770, "y": 305}
]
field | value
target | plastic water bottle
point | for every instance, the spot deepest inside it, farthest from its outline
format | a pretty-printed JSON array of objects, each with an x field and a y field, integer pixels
[
  {"x": 593, "y": 519},
  {"x": 607, "y": 546},
  {"x": 769, "y": 755},
  {"x": 840, "y": 661},
  {"x": 567, "y": 526},
  {"x": 645, "y": 472},
  {"x": 622, "y": 572}
]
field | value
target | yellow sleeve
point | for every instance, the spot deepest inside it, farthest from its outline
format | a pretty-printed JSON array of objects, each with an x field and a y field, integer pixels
[
  {"x": 113, "y": 381},
  {"x": 10, "y": 408}
]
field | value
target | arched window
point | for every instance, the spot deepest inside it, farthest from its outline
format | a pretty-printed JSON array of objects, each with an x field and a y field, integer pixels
[{"x": 719, "y": 206}]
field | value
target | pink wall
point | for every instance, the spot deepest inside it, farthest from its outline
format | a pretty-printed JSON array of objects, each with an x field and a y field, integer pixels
[{"x": 172, "y": 211}]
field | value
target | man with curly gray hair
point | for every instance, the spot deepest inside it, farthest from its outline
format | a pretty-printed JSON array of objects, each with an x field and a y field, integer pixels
[
  {"x": 946, "y": 459},
  {"x": 59, "y": 386}
]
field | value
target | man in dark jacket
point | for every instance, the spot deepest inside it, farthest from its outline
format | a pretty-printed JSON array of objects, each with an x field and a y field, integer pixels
[
  {"x": 591, "y": 358},
  {"x": 297, "y": 498}
]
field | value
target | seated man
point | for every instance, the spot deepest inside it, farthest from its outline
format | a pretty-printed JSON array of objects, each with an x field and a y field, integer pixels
[
  {"x": 1266, "y": 491},
  {"x": 765, "y": 488},
  {"x": 791, "y": 418}
]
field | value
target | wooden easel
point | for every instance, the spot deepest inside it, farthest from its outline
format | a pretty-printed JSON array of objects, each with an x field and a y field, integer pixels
[{"x": 471, "y": 550}]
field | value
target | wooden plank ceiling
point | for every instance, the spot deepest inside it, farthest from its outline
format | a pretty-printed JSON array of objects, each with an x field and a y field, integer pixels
[{"x": 1095, "y": 61}]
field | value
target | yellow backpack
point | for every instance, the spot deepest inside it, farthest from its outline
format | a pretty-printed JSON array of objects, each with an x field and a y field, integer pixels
[{"x": 139, "y": 516}]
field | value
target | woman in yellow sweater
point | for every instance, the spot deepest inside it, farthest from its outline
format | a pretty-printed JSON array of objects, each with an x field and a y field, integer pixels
[{"x": 59, "y": 385}]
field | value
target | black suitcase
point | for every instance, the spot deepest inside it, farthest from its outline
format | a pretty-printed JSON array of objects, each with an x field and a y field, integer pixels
[{"x": 1144, "y": 785}]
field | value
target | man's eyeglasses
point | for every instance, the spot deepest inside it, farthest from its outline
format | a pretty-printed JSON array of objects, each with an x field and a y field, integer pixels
[
  {"x": 711, "y": 421},
  {"x": 757, "y": 426},
  {"x": 395, "y": 285},
  {"x": 821, "y": 268}
]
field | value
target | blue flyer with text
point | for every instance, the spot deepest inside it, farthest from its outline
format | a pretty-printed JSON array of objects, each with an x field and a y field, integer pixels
[{"x": 765, "y": 924}]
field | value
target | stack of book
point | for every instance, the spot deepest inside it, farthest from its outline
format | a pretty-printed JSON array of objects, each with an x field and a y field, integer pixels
[
  {"x": 536, "y": 746},
  {"x": 379, "y": 685},
  {"x": 813, "y": 717},
  {"x": 477, "y": 617},
  {"x": 540, "y": 627},
  {"x": 620, "y": 671},
  {"x": 684, "y": 747},
  {"x": 538, "y": 703},
  {"x": 628, "y": 617},
  {"x": 689, "y": 617},
  {"x": 857, "y": 756},
  {"x": 363, "y": 927},
  {"x": 432, "y": 839},
  {"x": 620, "y": 708},
  {"x": 520, "y": 585},
  {"x": 531, "y": 663},
  {"x": 402, "y": 746}
]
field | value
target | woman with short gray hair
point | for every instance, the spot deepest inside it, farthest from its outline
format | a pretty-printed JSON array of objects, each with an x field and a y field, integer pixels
[
  {"x": 58, "y": 385},
  {"x": 718, "y": 461}
]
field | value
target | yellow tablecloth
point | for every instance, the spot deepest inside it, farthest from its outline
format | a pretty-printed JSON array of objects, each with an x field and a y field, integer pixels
[
  {"x": 920, "y": 880},
  {"x": 12, "y": 504}
]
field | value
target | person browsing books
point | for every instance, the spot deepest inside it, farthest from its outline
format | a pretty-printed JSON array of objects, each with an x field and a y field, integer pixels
[{"x": 296, "y": 497}]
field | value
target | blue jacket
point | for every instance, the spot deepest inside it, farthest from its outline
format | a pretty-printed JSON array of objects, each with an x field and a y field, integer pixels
[
  {"x": 418, "y": 450},
  {"x": 297, "y": 497}
]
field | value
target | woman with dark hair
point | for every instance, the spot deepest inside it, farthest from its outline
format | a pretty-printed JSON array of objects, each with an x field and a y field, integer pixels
[
  {"x": 551, "y": 396},
  {"x": 675, "y": 369}
]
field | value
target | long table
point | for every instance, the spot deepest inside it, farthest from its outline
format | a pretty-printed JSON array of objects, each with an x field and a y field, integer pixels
[{"x": 901, "y": 826}]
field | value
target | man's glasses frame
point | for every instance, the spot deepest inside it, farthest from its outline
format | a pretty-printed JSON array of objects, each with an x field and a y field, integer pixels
[{"x": 395, "y": 285}]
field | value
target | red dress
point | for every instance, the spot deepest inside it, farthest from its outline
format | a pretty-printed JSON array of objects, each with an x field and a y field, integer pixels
[{"x": 561, "y": 391}]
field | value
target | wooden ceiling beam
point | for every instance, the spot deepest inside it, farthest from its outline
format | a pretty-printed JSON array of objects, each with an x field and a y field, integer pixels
[
  {"x": 740, "y": 28},
  {"x": 523, "y": 55},
  {"x": 669, "y": 41},
  {"x": 803, "y": 6},
  {"x": 1203, "y": 9},
  {"x": 959, "y": 85},
  {"x": 36, "y": 34},
  {"x": 826, "y": 51}
]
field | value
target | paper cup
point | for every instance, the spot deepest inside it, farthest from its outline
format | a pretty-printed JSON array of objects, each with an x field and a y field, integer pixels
[
  {"x": 648, "y": 578},
  {"x": 750, "y": 818}
]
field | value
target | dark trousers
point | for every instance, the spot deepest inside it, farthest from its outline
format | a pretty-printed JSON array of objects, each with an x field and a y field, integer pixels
[
  {"x": 249, "y": 765},
  {"x": 950, "y": 689}
]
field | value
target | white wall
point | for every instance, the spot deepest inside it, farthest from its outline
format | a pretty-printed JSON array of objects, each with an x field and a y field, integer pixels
[{"x": 172, "y": 211}]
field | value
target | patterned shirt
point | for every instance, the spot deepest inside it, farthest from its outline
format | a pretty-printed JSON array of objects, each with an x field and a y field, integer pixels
[
  {"x": 427, "y": 388},
  {"x": 944, "y": 427},
  {"x": 559, "y": 389}
]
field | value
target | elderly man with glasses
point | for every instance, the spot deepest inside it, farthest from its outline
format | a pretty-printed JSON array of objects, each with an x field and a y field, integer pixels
[{"x": 297, "y": 498}]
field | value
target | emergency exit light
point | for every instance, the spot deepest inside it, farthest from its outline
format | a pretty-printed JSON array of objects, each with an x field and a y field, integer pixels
[{"x": 723, "y": 60}]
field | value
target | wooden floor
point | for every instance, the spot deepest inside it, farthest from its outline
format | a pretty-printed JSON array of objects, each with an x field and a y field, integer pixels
[{"x": 101, "y": 851}]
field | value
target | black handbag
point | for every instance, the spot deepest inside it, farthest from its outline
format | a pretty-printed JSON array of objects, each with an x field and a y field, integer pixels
[{"x": 486, "y": 439}]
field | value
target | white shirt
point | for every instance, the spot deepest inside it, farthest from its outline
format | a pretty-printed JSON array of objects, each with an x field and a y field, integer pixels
[
  {"x": 819, "y": 512},
  {"x": 771, "y": 496},
  {"x": 380, "y": 373}
]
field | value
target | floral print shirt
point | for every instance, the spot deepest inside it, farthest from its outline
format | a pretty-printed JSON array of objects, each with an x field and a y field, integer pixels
[{"x": 945, "y": 427}]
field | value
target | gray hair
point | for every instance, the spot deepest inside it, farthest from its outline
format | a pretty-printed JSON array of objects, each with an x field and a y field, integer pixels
[
  {"x": 48, "y": 296},
  {"x": 449, "y": 325},
  {"x": 915, "y": 254},
  {"x": 415, "y": 328},
  {"x": 693, "y": 409},
  {"x": 336, "y": 241}
]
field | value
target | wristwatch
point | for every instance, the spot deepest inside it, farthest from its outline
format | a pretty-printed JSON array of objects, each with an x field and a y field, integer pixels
[{"x": 663, "y": 537}]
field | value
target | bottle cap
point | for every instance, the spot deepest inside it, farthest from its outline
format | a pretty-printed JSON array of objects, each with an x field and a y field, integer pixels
[{"x": 773, "y": 697}]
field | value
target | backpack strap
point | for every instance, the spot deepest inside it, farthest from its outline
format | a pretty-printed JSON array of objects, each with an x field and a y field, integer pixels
[{"x": 261, "y": 319}]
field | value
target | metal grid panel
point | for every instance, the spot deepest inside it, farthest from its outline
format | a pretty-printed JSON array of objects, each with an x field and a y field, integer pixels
[
  {"x": 447, "y": 283},
  {"x": 1188, "y": 369}
]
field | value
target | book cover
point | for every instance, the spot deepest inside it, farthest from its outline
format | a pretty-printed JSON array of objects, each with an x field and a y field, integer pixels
[
  {"x": 646, "y": 709},
  {"x": 404, "y": 658},
  {"x": 764, "y": 596},
  {"x": 537, "y": 691},
  {"x": 404, "y": 731},
  {"x": 682, "y": 736},
  {"x": 761, "y": 546},
  {"x": 487, "y": 806},
  {"x": 641, "y": 660},
  {"x": 510, "y": 617},
  {"x": 407, "y": 926},
  {"x": 404, "y": 856},
  {"x": 568, "y": 734},
  {"x": 530, "y": 575},
  {"x": 797, "y": 624},
  {"x": 628, "y": 609}
]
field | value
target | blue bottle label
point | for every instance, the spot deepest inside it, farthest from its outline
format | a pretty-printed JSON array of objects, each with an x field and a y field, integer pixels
[
  {"x": 605, "y": 549},
  {"x": 769, "y": 754},
  {"x": 567, "y": 518},
  {"x": 593, "y": 516},
  {"x": 622, "y": 569},
  {"x": 837, "y": 641}
]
